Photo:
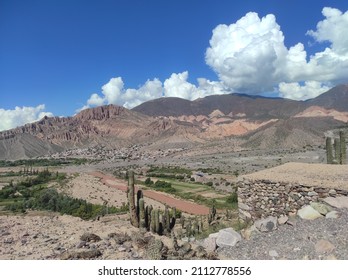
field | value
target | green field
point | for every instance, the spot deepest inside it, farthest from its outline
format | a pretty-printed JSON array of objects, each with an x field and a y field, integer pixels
[{"x": 201, "y": 194}]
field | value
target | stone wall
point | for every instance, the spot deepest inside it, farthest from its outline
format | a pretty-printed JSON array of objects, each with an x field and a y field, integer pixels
[{"x": 262, "y": 198}]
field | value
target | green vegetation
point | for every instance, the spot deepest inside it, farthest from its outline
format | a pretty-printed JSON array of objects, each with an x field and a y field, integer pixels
[
  {"x": 147, "y": 217},
  {"x": 210, "y": 184},
  {"x": 232, "y": 198},
  {"x": 33, "y": 193},
  {"x": 148, "y": 182},
  {"x": 211, "y": 170},
  {"x": 44, "y": 162},
  {"x": 173, "y": 172},
  {"x": 164, "y": 187},
  {"x": 193, "y": 191}
]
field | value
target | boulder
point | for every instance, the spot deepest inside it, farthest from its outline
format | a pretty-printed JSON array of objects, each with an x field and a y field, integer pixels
[
  {"x": 333, "y": 215},
  {"x": 249, "y": 233},
  {"x": 324, "y": 246},
  {"x": 209, "y": 244},
  {"x": 282, "y": 220},
  {"x": 243, "y": 206},
  {"x": 244, "y": 215},
  {"x": 337, "y": 202},
  {"x": 321, "y": 208},
  {"x": 308, "y": 213},
  {"x": 332, "y": 192},
  {"x": 228, "y": 237},
  {"x": 90, "y": 237},
  {"x": 267, "y": 224},
  {"x": 312, "y": 193}
]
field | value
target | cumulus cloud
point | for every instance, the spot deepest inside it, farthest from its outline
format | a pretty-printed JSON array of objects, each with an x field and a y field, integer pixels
[
  {"x": 246, "y": 54},
  {"x": 333, "y": 29},
  {"x": 21, "y": 115},
  {"x": 309, "y": 90},
  {"x": 250, "y": 56},
  {"x": 114, "y": 92},
  {"x": 176, "y": 85}
]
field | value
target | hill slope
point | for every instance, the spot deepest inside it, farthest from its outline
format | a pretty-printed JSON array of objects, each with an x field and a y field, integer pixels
[
  {"x": 245, "y": 105},
  {"x": 258, "y": 122}
]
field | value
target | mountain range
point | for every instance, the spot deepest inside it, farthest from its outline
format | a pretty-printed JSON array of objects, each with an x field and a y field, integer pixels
[{"x": 254, "y": 121}]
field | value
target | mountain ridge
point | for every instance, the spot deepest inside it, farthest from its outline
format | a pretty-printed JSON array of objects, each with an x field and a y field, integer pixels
[{"x": 174, "y": 121}]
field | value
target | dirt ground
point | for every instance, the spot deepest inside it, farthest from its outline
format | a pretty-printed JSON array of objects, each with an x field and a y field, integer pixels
[
  {"x": 185, "y": 206},
  {"x": 326, "y": 175}
]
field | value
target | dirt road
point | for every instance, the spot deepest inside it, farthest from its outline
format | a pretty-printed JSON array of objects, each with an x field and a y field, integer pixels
[{"x": 182, "y": 205}]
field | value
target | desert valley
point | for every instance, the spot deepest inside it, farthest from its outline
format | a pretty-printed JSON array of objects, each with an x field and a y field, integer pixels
[{"x": 222, "y": 177}]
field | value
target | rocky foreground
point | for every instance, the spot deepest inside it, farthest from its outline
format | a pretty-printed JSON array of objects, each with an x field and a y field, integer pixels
[
  {"x": 52, "y": 236},
  {"x": 46, "y": 236}
]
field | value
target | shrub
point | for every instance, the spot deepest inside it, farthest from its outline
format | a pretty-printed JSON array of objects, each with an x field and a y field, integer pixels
[
  {"x": 232, "y": 198},
  {"x": 148, "y": 181},
  {"x": 162, "y": 184}
]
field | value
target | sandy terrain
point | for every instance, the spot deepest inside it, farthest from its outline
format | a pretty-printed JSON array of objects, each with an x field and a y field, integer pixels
[
  {"x": 326, "y": 175},
  {"x": 43, "y": 235},
  {"x": 93, "y": 190}
]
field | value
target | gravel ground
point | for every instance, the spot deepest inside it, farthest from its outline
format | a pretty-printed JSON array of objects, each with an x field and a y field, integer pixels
[
  {"x": 325, "y": 175},
  {"x": 305, "y": 239}
]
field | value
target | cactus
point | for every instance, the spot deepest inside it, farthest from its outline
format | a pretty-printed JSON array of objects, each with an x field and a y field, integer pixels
[
  {"x": 201, "y": 224},
  {"x": 172, "y": 223},
  {"x": 172, "y": 219},
  {"x": 343, "y": 151},
  {"x": 195, "y": 227},
  {"x": 157, "y": 222},
  {"x": 337, "y": 148},
  {"x": 189, "y": 229},
  {"x": 329, "y": 154},
  {"x": 148, "y": 210},
  {"x": 166, "y": 224},
  {"x": 153, "y": 222},
  {"x": 175, "y": 241},
  {"x": 212, "y": 214},
  {"x": 131, "y": 202},
  {"x": 182, "y": 221},
  {"x": 154, "y": 249},
  {"x": 142, "y": 223},
  {"x": 147, "y": 217},
  {"x": 174, "y": 212},
  {"x": 139, "y": 196}
]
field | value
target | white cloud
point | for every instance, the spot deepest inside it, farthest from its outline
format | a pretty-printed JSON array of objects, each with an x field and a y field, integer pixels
[
  {"x": 295, "y": 91},
  {"x": 21, "y": 115},
  {"x": 150, "y": 90},
  {"x": 178, "y": 86},
  {"x": 333, "y": 29},
  {"x": 95, "y": 100},
  {"x": 250, "y": 56},
  {"x": 246, "y": 55},
  {"x": 114, "y": 92},
  {"x": 175, "y": 86}
]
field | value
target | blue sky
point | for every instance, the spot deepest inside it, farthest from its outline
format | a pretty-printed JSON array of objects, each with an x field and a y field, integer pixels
[{"x": 58, "y": 57}]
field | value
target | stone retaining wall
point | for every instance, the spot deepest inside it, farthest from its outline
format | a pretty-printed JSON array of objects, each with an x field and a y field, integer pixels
[{"x": 262, "y": 198}]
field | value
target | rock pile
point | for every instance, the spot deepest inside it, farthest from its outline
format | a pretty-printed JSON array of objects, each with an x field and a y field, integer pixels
[{"x": 261, "y": 198}]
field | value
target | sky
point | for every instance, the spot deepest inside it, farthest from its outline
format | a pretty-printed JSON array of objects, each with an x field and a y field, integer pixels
[{"x": 58, "y": 57}]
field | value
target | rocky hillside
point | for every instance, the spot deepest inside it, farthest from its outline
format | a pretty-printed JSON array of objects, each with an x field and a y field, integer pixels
[
  {"x": 165, "y": 123},
  {"x": 243, "y": 105},
  {"x": 234, "y": 105}
]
